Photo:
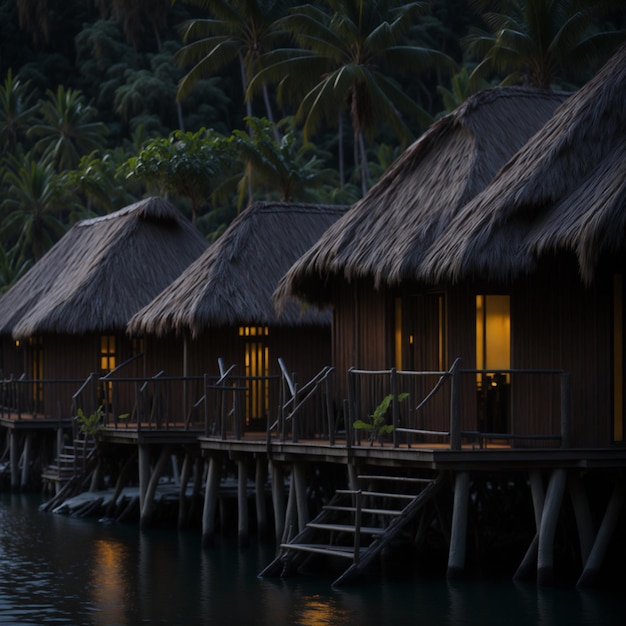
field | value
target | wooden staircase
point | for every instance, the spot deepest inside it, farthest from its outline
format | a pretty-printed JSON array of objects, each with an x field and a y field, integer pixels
[
  {"x": 357, "y": 524},
  {"x": 70, "y": 463}
]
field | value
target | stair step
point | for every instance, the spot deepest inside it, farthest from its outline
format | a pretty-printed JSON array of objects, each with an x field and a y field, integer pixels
[
  {"x": 345, "y": 552},
  {"x": 398, "y": 479},
  {"x": 347, "y": 528},
  {"x": 378, "y": 494},
  {"x": 352, "y": 509}
]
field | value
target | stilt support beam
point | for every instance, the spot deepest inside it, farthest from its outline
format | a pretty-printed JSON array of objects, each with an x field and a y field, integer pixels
[
  {"x": 458, "y": 537},
  {"x": 549, "y": 519}
]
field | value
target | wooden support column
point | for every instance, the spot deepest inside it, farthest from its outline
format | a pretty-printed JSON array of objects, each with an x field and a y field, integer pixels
[
  {"x": 182, "y": 491},
  {"x": 260, "y": 478},
  {"x": 210, "y": 500},
  {"x": 529, "y": 562},
  {"x": 28, "y": 440},
  {"x": 278, "y": 500},
  {"x": 458, "y": 538},
  {"x": 584, "y": 521},
  {"x": 143, "y": 462},
  {"x": 545, "y": 550},
  {"x": 291, "y": 514},
  {"x": 60, "y": 443},
  {"x": 122, "y": 479},
  {"x": 299, "y": 477},
  {"x": 600, "y": 545},
  {"x": 242, "y": 501},
  {"x": 353, "y": 477},
  {"x": 14, "y": 459},
  {"x": 147, "y": 508}
]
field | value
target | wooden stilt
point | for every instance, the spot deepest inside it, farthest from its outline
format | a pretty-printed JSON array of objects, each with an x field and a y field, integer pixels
[
  {"x": 210, "y": 501},
  {"x": 299, "y": 476},
  {"x": 59, "y": 441},
  {"x": 144, "y": 472},
  {"x": 529, "y": 563},
  {"x": 28, "y": 439},
  {"x": 456, "y": 557},
  {"x": 122, "y": 479},
  {"x": 584, "y": 522},
  {"x": 198, "y": 472},
  {"x": 147, "y": 508},
  {"x": 260, "y": 478},
  {"x": 278, "y": 500},
  {"x": 353, "y": 478},
  {"x": 14, "y": 459},
  {"x": 545, "y": 550},
  {"x": 603, "y": 538},
  {"x": 96, "y": 476},
  {"x": 182, "y": 492},
  {"x": 291, "y": 514},
  {"x": 242, "y": 502}
]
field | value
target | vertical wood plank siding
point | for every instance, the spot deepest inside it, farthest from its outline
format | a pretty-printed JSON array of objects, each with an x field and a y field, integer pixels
[{"x": 557, "y": 322}]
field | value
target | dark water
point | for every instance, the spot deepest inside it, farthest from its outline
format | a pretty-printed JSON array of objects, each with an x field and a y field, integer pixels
[{"x": 57, "y": 570}]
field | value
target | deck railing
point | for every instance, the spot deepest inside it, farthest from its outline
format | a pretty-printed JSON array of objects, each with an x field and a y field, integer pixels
[
  {"x": 26, "y": 398},
  {"x": 304, "y": 412},
  {"x": 151, "y": 403},
  {"x": 459, "y": 407}
]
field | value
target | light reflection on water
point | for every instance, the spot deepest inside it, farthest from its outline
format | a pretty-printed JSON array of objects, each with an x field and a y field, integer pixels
[{"x": 57, "y": 570}]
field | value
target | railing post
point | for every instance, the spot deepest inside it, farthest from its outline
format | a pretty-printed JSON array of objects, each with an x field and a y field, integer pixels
[
  {"x": 455, "y": 406},
  {"x": 565, "y": 409},
  {"x": 395, "y": 406},
  {"x": 329, "y": 408},
  {"x": 294, "y": 420},
  {"x": 357, "y": 527},
  {"x": 349, "y": 409},
  {"x": 205, "y": 391}
]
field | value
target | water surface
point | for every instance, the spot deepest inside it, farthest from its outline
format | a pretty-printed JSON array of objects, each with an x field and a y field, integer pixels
[{"x": 59, "y": 570}]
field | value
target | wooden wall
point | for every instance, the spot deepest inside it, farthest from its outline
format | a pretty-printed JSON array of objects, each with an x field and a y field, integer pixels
[{"x": 557, "y": 322}]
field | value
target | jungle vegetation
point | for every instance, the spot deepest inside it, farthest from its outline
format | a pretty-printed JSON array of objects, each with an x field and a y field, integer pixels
[{"x": 216, "y": 103}]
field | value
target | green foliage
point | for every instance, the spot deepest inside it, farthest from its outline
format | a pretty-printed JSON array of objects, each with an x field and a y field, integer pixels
[
  {"x": 67, "y": 129},
  {"x": 188, "y": 164},
  {"x": 32, "y": 207},
  {"x": 377, "y": 425},
  {"x": 90, "y": 425},
  {"x": 290, "y": 167},
  {"x": 17, "y": 112},
  {"x": 540, "y": 42}
]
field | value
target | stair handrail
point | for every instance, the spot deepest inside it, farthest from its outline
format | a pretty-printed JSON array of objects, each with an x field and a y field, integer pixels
[{"x": 296, "y": 398}]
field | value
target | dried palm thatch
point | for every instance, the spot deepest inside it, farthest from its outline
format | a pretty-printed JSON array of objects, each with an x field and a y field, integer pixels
[
  {"x": 564, "y": 191},
  {"x": 102, "y": 272},
  {"x": 385, "y": 235},
  {"x": 233, "y": 281}
]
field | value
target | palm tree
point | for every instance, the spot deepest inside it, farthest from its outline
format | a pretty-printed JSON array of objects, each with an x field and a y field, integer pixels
[
  {"x": 32, "y": 206},
  {"x": 238, "y": 30},
  {"x": 67, "y": 131},
  {"x": 16, "y": 112},
  {"x": 540, "y": 42},
  {"x": 346, "y": 56},
  {"x": 289, "y": 168},
  {"x": 134, "y": 14}
]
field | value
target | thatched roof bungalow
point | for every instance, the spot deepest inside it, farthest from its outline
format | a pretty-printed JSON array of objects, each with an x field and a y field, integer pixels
[
  {"x": 364, "y": 265},
  {"x": 526, "y": 275},
  {"x": 549, "y": 231},
  {"x": 385, "y": 235},
  {"x": 68, "y": 313},
  {"x": 222, "y": 306}
]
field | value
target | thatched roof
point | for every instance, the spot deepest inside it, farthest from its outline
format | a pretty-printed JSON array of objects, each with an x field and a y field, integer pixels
[
  {"x": 233, "y": 281},
  {"x": 102, "y": 272},
  {"x": 565, "y": 190},
  {"x": 385, "y": 234}
]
